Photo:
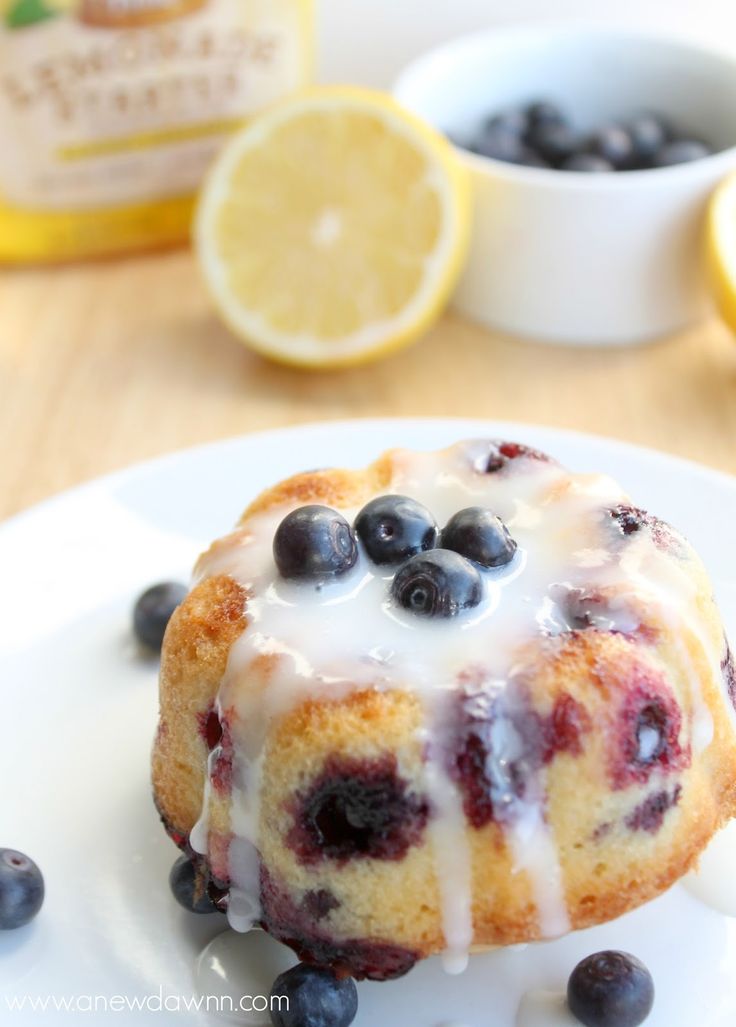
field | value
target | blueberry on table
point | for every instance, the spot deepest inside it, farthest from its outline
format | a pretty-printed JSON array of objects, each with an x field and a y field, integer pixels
[
  {"x": 614, "y": 144},
  {"x": 313, "y": 997},
  {"x": 153, "y": 610},
  {"x": 189, "y": 887},
  {"x": 314, "y": 543},
  {"x": 21, "y": 889},
  {"x": 437, "y": 584},
  {"x": 681, "y": 151},
  {"x": 648, "y": 135},
  {"x": 610, "y": 989},
  {"x": 479, "y": 535},
  {"x": 587, "y": 162},
  {"x": 393, "y": 528}
]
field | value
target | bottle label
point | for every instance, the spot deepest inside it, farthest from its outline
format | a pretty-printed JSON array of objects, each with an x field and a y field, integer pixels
[{"x": 112, "y": 102}]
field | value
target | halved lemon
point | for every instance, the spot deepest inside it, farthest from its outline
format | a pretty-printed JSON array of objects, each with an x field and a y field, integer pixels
[
  {"x": 333, "y": 228},
  {"x": 721, "y": 241}
]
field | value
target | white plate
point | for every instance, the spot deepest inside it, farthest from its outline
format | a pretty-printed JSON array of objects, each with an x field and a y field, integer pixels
[{"x": 79, "y": 710}]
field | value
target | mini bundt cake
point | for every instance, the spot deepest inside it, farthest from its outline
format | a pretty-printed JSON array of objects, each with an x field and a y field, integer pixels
[{"x": 451, "y": 701}]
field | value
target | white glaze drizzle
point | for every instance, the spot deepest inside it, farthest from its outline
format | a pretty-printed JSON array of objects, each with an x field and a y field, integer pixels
[
  {"x": 534, "y": 850},
  {"x": 328, "y": 641},
  {"x": 448, "y": 835},
  {"x": 199, "y": 834}
]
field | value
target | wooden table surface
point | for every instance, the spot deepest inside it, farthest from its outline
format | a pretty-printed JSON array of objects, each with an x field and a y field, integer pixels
[{"x": 104, "y": 365}]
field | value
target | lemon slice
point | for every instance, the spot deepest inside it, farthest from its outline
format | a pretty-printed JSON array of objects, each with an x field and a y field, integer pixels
[
  {"x": 333, "y": 228},
  {"x": 721, "y": 241}
]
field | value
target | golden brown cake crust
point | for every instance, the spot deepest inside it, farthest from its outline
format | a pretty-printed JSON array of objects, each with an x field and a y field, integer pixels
[
  {"x": 621, "y": 840},
  {"x": 194, "y": 658}
]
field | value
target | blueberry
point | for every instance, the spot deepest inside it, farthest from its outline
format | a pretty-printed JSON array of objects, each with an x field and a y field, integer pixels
[
  {"x": 610, "y": 989},
  {"x": 652, "y": 730},
  {"x": 313, "y": 997},
  {"x": 588, "y": 162},
  {"x": 629, "y": 519},
  {"x": 393, "y": 528},
  {"x": 479, "y": 535},
  {"x": 513, "y": 119},
  {"x": 500, "y": 143},
  {"x": 189, "y": 886},
  {"x": 614, "y": 144},
  {"x": 544, "y": 112},
  {"x": 314, "y": 542},
  {"x": 437, "y": 584},
  {"x": 21, "y": 889},
  {"x": 681, "y": 151},
  {"x": 648, "y": 135},
  {"x": 499, "y": 455},
  {"x": 357, "y": 807},
  {"x": 554, "y": 142},
  {"x": 530, "y": 158},
  {"x": 153, "y": 610}
]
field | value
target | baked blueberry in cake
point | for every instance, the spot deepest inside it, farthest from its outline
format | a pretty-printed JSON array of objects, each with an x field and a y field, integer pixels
[{"x": 454, "y": 700}]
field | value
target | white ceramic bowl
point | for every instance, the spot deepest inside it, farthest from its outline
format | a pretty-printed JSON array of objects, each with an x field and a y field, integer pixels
[{"x": 571, "y": 257}]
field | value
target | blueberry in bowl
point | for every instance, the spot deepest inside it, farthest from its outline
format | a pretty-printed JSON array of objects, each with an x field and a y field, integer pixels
[
  {"x": 541, "y": 133},
  {"x": 568, "y": 244}
]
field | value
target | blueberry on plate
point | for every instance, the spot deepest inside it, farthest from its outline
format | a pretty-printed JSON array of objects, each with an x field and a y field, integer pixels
[
  {"x": 21, "y": 889},
  {"x": 153, "y": 610},
  {"x": 479, "y": 535},
  {"x": 313, "y": 997},
  {"x": 681, "y": 151},
  {"x": 393, "y": 528},
  {"x": 314, "y": 543},
  {"x": 610, "y": 989},
  {"x": 189, "y": 887},
  {"x": 587, "y": 162},
  {"x": 437, "y": 584},
  {"x": 648, "y": 135},
  {"x": 614, "y": 144}
]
